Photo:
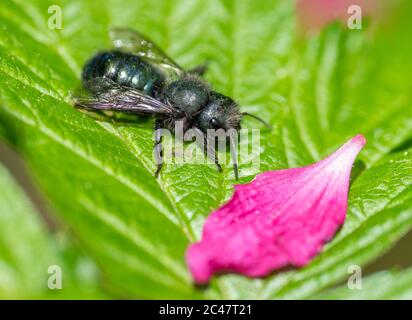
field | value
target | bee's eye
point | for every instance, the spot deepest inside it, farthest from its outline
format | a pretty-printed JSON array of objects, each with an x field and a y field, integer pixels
[{"x": 210, "y": 117}]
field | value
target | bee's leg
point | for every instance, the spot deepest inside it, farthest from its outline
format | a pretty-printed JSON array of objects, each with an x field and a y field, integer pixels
[
  {"x": 233, "y": 152},
  {"x": 212, "y": 154},
  {"x": 158, "y": 148},
  {"x": 208, "y": 148},
  {"x": 200, "y": 70}
]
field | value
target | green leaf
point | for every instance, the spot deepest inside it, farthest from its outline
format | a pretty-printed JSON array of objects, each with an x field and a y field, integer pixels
[
  {"x": 27, "y": 252},
  {"x": 385, "y": 285},
  {"x": 316, "y": 91}
]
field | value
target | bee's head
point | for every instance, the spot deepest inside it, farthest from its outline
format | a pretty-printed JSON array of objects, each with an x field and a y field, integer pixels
[{"x": 220, "y": 112}]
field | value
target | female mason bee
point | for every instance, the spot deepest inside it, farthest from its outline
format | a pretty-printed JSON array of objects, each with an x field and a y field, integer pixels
[{"x": 138, "y": 77}]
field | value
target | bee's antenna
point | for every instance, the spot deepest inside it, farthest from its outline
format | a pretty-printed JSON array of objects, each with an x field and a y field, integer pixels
[{"x": 267, "y": 125}]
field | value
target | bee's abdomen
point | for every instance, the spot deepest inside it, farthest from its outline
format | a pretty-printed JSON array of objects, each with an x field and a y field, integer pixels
[{"x": 123, "y": 68}]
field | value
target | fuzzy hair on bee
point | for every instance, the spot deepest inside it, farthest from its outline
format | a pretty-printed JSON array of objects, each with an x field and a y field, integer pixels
[{"x": 136, "y": 76}]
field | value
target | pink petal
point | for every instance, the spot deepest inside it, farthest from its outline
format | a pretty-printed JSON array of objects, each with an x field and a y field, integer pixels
[{"x": 281, "y": 218}]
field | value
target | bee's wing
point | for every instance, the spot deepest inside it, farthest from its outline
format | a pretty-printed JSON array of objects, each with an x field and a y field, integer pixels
[
  {"x": 112, "y": 96},
  {"x": 131, "y": 41}
]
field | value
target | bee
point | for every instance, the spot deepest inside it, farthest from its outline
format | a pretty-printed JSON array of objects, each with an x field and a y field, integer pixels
[{"x": 136, "y": 76}]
